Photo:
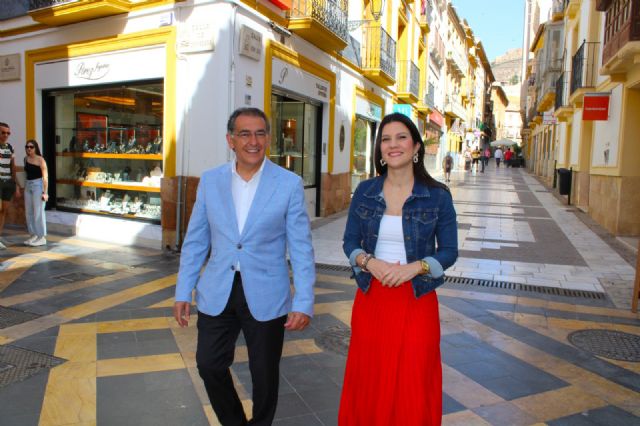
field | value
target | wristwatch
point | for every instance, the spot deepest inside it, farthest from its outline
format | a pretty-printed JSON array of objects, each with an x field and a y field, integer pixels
[{"x": 425, "y": 267}]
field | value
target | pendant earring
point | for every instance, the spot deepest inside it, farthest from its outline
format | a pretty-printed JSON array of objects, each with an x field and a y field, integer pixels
[
  {"x": 382, "y": 162},
  {"x": 415, "y": 157}
]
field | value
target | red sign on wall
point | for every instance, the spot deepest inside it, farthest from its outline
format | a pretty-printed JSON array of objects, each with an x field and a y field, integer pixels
[
  {"x": 282, "y": 4},
  {"x": 436, "y": 117},
  {"x": 596, "y": 107}
]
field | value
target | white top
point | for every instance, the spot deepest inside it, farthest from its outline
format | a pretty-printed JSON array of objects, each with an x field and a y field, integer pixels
[
  {"x": 243, "y": 193},
  {"x": 498, "y": 153},
  {"x": 390, "y": 245}
]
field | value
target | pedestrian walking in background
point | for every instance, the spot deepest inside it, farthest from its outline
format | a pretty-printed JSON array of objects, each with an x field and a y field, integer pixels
[
  {"x": 393, "y": 374},
  {"x": 447, "y": 165},
  {"x": 508, "y": 155},
  {"x": 467, "y": 159},
  {"x": 248, "y": 214},
  {"x": 487, "y": 155},
  {"x": 8, "y": 182},
  {"x": 498, "y": 156},
  {"x": 36, "y": 194},
  {"x": 475, "y": 158}
]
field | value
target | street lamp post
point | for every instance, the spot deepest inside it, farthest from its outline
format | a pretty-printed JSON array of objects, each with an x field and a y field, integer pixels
[{"x": 376, "y": 6}]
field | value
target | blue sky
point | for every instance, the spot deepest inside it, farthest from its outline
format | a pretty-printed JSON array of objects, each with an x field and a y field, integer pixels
[{"x": 498, "y": 23}]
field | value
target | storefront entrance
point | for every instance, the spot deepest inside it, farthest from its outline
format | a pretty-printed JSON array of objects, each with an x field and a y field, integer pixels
[
  {"x": 363, "y": 151},
  {"x": 296, "y": 128}
]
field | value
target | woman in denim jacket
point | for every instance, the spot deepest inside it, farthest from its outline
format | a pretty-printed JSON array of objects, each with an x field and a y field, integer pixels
[{"x": 401, "y": 235}]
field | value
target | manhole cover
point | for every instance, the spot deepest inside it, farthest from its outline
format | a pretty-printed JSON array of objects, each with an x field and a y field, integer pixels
[
  {"x": 335, "y": 339},
  {"x": 610, "y": 344},
  {"x": 9, "y": 317},
  {"x": 20, "y": 364}
]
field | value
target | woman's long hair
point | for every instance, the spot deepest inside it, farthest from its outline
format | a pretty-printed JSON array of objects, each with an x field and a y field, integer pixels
[
  {"x": 419, "y": 171},
  {"x": 34, "y": 143}
]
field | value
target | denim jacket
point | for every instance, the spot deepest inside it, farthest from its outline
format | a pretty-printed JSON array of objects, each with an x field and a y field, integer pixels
[{"x": 428, "y": 217}]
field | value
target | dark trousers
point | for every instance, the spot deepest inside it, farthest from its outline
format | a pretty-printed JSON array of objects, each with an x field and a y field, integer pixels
[{"x": 217, "y": 337}]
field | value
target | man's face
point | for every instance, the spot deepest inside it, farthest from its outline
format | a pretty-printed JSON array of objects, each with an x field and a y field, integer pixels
[
  {"x": 249, "y": 141},
  {"x": 4, "y": 134}
]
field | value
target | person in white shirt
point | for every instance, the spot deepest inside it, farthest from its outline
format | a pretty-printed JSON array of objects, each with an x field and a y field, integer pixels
[{"x": 498, "y": 156}]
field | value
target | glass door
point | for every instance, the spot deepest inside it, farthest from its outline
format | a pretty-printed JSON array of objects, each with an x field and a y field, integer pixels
[{"x": 363, "y": 167}]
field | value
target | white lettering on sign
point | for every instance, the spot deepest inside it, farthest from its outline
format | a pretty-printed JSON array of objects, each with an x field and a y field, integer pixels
[{"x": 88, "y": 71}]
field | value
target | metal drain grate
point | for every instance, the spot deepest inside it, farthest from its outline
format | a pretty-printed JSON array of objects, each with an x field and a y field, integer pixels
[
  {"x": 335, "y": 339},
  {"x": 10, "y": 317},
  {"x": 327, "y": 267},
  {"x": 74, "y": 276},
  {"x": 610, "y": 344},
  {"x": 553, "y": 291},
  {"x": 17, "y": 364}
]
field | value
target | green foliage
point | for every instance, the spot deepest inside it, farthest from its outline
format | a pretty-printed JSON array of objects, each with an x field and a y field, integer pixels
[{"x": 431, "y": 141}]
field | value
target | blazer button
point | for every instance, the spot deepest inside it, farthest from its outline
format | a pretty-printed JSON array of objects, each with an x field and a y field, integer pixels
[
  {"x": 239, "y": 246},
  {"x": 233, "y": 267},
  {"x": 407, "y": 238}
]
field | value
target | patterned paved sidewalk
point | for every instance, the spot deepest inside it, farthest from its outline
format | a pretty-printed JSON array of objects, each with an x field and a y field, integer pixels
[
  {"x": 512, "y": 229},
  {"x": 87, "y": 337}
]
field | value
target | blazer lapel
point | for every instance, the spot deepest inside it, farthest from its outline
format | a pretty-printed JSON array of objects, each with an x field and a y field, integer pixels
[
  {"x": 266, "y": 189},
  {"x": 223, "y": 185}
]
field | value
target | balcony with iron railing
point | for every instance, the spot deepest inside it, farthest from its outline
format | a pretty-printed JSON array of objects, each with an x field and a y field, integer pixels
[
  {"x": 546, "y": 86},
  {"x": 408, "y": 81},
  {"x": 557, "y": 9},
  {"x": 427, "y": 100},
  {"x": 584, "y": 69},
  {"x": 454, "y": 108},
  {"x": 563, "y": 108},
  {"x": 63, "y": 12},
  {"x": 458, "y": 62},
  {"x": 378, "y": 55},
  {"x": 621, "y": 35},
  {"x": 322, "y": 22},
  {"x": 352, "y": 52}
]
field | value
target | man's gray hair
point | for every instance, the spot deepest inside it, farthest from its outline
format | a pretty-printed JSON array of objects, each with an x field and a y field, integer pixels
[{"x": 252, "y": 112}]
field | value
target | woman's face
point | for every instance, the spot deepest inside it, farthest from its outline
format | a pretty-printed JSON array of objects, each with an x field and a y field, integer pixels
[{"x": 397, "y": 147}]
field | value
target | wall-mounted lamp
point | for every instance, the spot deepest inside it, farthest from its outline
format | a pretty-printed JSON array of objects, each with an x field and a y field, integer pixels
[{"x": 377, "y": 6}]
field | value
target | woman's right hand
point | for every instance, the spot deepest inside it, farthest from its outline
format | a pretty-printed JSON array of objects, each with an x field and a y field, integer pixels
[{"x": 378, "y": 268}]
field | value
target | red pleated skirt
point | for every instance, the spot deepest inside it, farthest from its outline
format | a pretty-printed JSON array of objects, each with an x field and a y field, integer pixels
[{"x": 393, "y": 375}]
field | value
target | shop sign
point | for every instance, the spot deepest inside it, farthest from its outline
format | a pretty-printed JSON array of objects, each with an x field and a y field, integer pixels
[
  {"x": 596, "y": 107},
  {"x": 549, "y": 118},
  {"x": 402, "y": 109},
  {"x": 282, "y": 4},
  {"x": 91, "y": 70},
  {"x": 196, "y": 37},
  {"x": 368, "y": 110},
  {"x": 297, "y": 80},
  {"x": 436, "y": 118},
  {"x": 250, "y": 43},
  {"x": 10, "y": 67}
]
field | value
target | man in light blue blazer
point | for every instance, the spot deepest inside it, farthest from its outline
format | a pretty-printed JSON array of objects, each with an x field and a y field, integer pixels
[{"x": 247, "y": 215}]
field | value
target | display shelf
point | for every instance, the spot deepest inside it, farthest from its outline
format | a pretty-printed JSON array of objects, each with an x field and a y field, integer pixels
[
  {"x": 62, "y": 207},
  {"x": 125, "y": 187},
  {"x": 154, "y": 157}
]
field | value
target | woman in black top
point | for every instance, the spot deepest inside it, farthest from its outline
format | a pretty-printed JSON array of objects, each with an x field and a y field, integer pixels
[{"x": 35, "y": 194}]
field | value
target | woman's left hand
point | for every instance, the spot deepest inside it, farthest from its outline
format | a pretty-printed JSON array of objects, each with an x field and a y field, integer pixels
[
  {"x": 45, "y": 197},
  {"x": 398, "y": 274}
]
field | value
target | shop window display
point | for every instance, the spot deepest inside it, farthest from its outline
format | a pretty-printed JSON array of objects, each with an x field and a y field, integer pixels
[{"x": 109, "y": 150}]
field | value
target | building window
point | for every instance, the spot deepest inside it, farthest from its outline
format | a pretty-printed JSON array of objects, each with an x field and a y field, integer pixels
[{"x": 108, "y": 148}]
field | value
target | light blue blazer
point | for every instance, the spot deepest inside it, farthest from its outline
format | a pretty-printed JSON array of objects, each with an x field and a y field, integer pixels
[{"x": 277, "y": 222}]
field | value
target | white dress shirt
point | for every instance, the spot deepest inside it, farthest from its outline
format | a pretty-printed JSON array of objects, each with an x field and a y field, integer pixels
[{"x": 243, "y": 193}]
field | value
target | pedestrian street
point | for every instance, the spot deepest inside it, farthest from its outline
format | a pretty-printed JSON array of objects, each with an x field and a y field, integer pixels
[{"x": 87, "y": 334}]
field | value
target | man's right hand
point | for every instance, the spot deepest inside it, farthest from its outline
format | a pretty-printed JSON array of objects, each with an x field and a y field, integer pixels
[{"x": 181, "y": 312}]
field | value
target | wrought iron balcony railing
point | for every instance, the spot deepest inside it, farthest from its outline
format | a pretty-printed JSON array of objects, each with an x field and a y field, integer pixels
[
  {"x": 330, "y": 13},
  {"x": 430, "y": 96},
  {"x": 41, "y": 4},
  {"x": 459, "y": 61},
  {"x": 378, "y": 51},
  {"x": 453, "y": 106},
  {"x": 562, "y": 91},
  {"x": 352, "y": 52},
  {"x": 584, "y": 66},
  {"x": 408, "y": 78}
]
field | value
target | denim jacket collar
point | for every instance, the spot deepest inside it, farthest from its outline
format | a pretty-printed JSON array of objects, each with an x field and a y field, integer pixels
[{"x": 375, "y": 190}]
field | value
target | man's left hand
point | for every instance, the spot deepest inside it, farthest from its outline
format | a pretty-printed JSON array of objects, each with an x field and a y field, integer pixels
[{"x": 297, "y": 321}]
